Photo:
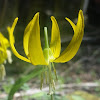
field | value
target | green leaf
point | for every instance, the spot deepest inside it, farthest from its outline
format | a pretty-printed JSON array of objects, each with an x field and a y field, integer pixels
[
  {"x": 77, "y": 97},
  {"x": 23, "y": 80}
]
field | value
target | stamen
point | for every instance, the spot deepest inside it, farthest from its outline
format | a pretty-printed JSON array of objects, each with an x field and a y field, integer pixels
[
  {"x": 54, "y": 71},
  {"x": 2, "y": 72},
  {"x": 42, "y": 80},
  {"x": 49, "y": 78},
  {"x": 46, "y": 76},
  {"x": 41, "y": 85}
]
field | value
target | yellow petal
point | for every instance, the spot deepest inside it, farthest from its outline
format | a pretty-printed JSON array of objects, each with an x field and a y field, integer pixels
[
  {"x": 34, "y": 45},
  {"x": 4, "y": 41},
  {"x": 74, "y": 45},
  {"x": 3, "y": 55},
  {"x": 12, "y": 40},
  {"x": 71, "y": 23},
  {"x": 55, "y": 44},
  {"x": 26, "y": 36}
]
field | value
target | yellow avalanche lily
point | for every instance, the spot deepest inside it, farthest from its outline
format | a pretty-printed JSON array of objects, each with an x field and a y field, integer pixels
[
  {"x": 4, "y": 44},
  {"x": 37, "y": 56},
  {"x": 4, "y": 54},
  {"x": 32, "y": 42}
]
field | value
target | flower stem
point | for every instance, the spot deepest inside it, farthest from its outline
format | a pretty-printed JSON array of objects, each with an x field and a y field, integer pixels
[{"x": 52, "y": 97}]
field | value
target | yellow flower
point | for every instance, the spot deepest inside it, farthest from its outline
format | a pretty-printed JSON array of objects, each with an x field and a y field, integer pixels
[
  {"x": 4, "y": 44},
  {"x": 33, "y": 49},
  {"x": 32, "y": 42},
  {"x": 4, "y": 54}
]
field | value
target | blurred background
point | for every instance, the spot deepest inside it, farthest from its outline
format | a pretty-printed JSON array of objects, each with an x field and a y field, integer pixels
[{"x": 79, "y": 76}]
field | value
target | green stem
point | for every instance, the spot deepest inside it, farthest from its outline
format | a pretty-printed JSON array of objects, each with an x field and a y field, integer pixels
[
  {"x": 52, "y": 97},
  {"x": 46, "y": 37}
]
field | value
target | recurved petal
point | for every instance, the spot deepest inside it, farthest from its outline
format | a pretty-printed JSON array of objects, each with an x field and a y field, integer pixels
[
  {"x": 71, "y": 23},
  {"x": 34, "y": 44},
  {"x": 26, "y": 36},
  {"x": 74, "y": 45},
  {"x": 12, "y": 40},
  {"x": 55, "y": 44}
]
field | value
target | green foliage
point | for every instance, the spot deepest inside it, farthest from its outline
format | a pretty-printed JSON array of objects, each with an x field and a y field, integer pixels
[
  {"x": 44, "y": 96},
  {"x": 78, "y": 80},
  {"x": 77, "y": 97},
  {"x": 81, "y": 95},
  {"x": 8, "y": 85},
  {"x": 59, "y": 97},
  {"x": 23, "y": 80},
  {"x": 68, "y": 79},
  {"x": 25, "y": 87}
]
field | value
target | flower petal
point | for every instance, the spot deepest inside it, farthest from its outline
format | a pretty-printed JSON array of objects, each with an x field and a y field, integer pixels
[
  {"x": 34, "y": 45},
  {"x": 74, "y": 45},
  {"x": 3, "y": 55},
  {"x": 4, "y": 41},
  {"x": 12, "y": 40},
  {"x": 55, "y": 44},
  {"x": 26, "y": 36}
]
